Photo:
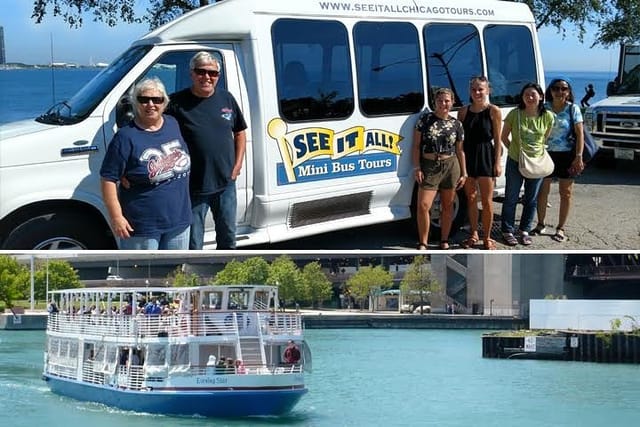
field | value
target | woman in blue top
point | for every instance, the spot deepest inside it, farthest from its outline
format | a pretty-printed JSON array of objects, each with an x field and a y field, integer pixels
[
  {"x": 565, "y": 147},
  {"x": 151, "y": 208}
]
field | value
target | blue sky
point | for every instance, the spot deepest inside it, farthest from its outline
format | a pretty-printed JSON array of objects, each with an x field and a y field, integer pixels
[{"x": 30, "y": 43}]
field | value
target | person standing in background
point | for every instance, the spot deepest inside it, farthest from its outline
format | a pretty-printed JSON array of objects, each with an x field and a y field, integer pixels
[
  {"x": 589, "y": 93},
  {"x": 482, "y": 123},
  {"x": 565, "y": 148},
  {"x": 214, "y": 129}
]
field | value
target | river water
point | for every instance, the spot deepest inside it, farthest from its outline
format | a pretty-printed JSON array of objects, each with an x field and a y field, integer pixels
[
  {"x": 371, "y": 377},
  {"x": 27, "y": 93}
]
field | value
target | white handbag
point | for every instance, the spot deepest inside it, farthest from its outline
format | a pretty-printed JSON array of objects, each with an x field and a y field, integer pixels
[{"x": 533, "y": 167}]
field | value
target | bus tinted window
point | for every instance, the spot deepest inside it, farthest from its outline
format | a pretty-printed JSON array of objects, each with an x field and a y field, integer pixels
[
  {"x": 313, "y": 71},
  {"x": 453, "y": 57},
  {"x": 388, "y": 68},
  {"x": 511, "y": 61}
]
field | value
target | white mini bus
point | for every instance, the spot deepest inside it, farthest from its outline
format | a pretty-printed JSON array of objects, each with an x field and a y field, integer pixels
[{"x": 330, "y": 89}]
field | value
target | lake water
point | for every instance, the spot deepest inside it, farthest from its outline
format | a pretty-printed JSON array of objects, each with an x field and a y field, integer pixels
[
  {"x": 28, "y": 93},
  {"x": 373, "y": 377}
]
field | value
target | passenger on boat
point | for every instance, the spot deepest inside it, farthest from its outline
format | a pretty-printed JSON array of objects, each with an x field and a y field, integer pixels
[
  {"x": 292, "y": 353},
  {"x": 240, "y": 369},
  {"x": 211, "y": 365},
  {"x": 231, "y": 367},
  {"x": 221, "y": 367}
]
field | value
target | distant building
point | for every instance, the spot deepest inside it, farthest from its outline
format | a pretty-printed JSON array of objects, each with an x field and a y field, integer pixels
[{"x": 3, "y": 58}]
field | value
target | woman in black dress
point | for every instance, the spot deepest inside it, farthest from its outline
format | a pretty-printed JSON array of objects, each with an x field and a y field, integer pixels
[{"x": 482, "y": 122}]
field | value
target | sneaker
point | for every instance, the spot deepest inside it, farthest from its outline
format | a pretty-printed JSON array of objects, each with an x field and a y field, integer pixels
[{"x": 525, "y": 239}]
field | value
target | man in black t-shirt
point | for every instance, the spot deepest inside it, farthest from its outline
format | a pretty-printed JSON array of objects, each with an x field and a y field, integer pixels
[{"x": 213, "y": 127}]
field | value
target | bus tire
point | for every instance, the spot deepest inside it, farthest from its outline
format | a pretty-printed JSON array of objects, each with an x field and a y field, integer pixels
[{"x": 59, "y": 230}]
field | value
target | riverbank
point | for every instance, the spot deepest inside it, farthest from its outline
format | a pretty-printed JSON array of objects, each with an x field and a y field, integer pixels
[{"x": 332, "y": 319}]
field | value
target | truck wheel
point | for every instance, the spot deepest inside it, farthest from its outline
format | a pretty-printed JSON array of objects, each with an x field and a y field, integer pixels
[{"x": 57, "y": 231}]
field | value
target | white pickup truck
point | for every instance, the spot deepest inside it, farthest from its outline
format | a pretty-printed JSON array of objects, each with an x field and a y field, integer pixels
[{"x": 614, "y": 121}]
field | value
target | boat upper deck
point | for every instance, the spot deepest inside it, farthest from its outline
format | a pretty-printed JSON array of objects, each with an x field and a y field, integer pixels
[{"x": 216, "y": 312}]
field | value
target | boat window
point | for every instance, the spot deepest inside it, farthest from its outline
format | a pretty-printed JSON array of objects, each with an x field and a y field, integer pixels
[
  {"x": 313, "y": 69},
  {"x": 388, "y": 68},
  {"x": 99, "y": 352},
  {"x": 238, "y": 300},
  {"x": 156, "y": 355},
  {"x": 511, "y": 61},
  {"x": 261, "y": 300},
  {"x": 453, "y": 56},
  {"x": 214, "y": 300},
  {"x": 54, "y": 346},
  {"x": 179, "y": 354}
]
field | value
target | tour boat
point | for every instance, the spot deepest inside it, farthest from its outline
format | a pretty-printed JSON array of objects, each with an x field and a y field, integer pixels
[{"x": 213, "y": 351}]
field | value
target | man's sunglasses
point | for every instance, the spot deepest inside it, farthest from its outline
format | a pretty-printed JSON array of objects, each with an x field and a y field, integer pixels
[{"x": 211, "y": 73}]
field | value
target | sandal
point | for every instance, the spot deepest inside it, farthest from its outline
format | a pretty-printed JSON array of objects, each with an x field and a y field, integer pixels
[
  {"x": 540, "y": 229},
  {"x": 559, "y": 236},
  {"x": 489, "y": 245},
  {"x": 525, "y": 239},
  {"x": 510, "y": 239},
  {"x": 470, "y": 242},
  {"x": 444, "y": 245},
  {"x": 422, "y": 246}
]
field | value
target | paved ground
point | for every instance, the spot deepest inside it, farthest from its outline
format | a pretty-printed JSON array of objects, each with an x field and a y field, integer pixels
[{"x": 604, "y": 216}]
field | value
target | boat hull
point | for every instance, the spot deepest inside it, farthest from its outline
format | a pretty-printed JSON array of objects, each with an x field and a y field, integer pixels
[{"x": 206, "y": 402}]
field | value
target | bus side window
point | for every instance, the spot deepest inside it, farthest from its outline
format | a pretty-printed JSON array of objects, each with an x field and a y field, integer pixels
[
  {"x": 453, "y": 56},
  {"x": 511, "y": 61},
  {"x": 313, "y": 72},
  {"x": 388, "y": 67}
]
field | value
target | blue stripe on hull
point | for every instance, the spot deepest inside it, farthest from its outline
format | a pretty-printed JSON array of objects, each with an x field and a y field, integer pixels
[{"x": 219, "y": 403}]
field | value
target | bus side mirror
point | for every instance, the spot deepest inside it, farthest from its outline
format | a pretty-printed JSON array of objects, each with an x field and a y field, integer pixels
[
  {"x": 124, "y": 111},
  {"x": 612, "y": 88}
]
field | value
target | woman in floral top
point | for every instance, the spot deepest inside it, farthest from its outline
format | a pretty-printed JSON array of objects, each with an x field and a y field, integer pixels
[{"x": 439, "y": 165}]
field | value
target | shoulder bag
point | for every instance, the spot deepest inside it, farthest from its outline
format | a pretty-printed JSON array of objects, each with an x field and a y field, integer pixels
[
  {"x": 533, "y": 167},
  {"x": 590, "y": 148}
]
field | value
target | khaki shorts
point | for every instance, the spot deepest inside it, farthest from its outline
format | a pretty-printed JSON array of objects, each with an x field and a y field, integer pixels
[{"x": 440, "y": 174}]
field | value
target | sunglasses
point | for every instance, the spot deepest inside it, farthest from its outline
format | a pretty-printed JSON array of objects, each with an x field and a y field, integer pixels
[
  {"x": 560, "y": 88},
  {"x": 201, "y": 72},
  {"x": 154, "y": 99}
]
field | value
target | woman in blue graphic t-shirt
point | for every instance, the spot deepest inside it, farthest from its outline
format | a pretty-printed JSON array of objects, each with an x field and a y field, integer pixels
[{"x": 148, "y": 157}]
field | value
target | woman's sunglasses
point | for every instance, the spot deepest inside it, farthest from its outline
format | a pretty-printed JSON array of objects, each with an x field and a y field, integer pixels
[{"x": 154, "y": 99}]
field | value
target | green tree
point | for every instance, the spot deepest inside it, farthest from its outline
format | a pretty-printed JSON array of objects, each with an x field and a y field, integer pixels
[
  {"x": 180, "y": 278},
  {"x": 257, "y": 270},
  {"x": 233, "y": 273},
  {"x": 111, "y": 12},
  {"x": 61, "y": 275},
  {"x": 419, "y": 279},
  {"x": 15, "y": 280},
  {"x": 367, "y": 282},
  {"x": 252, "y": 271},
  {"x": 284, "y": 274},
  {"x": 315, "y": 283},
  {"x": 615, "y": 20}
]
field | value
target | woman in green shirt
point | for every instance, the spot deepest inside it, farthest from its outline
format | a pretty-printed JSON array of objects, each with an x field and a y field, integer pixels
[{"x": 527, "y": 128}]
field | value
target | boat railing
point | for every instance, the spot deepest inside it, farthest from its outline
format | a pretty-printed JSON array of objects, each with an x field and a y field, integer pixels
[
  {"x": 206, "y": 323},
  {"x": 249, "y": 369}
]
